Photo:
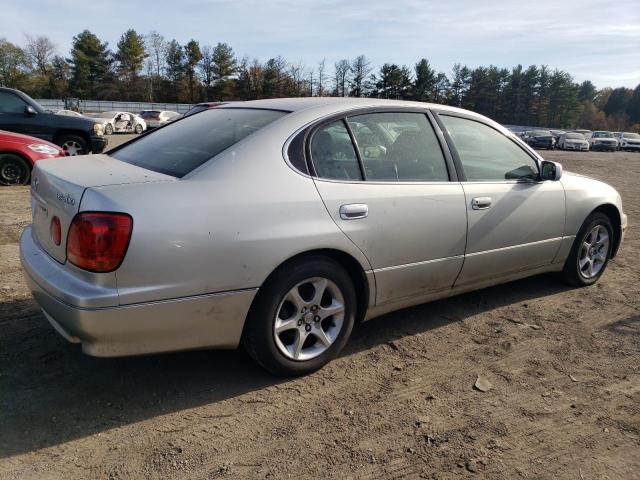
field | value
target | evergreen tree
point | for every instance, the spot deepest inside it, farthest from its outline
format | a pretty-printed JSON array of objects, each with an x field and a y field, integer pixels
[
  {"x": 130, "y": 55},
  {"x": 91, "y": 66},
  {"x": 174, "y": 59},
  {"x": 224, "y": 66},
  {"x": 425, "y": 81},
  {"x": 193, "y": 56}
]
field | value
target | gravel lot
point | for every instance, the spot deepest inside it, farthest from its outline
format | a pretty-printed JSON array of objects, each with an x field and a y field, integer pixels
[{"x": 564, "y": 365}]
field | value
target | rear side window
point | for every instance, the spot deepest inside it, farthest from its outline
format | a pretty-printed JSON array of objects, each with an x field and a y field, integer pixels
[
  {"x": 398, "y": 147},
  {"x": 486, "y": 154},
  {"x": 333, "y": 154},
  {"x": 185, "y": 145}
]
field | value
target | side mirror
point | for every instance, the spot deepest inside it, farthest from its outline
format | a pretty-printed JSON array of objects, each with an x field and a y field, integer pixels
[
  {"x": 550, "y": 171},
  {"x": 29, "y": 110}
]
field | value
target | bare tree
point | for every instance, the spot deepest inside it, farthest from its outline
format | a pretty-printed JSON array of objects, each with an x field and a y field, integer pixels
[
  {"x": 360, "y": 70},
  {"x": 207, "y": 66},
  {"x": 342, "y": 69},
  {"x": 39, "y": 51},
  {"x": 321, "y": 77},
  {"x": 156, "y": 47}
]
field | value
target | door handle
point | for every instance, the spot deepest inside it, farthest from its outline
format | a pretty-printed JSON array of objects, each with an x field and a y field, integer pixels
[
  {"x": 353, "y": 211},
  {"x": 481, "y": 203}
]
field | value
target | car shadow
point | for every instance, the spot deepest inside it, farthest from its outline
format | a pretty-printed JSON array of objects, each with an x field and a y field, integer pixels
[{"x": 51, "y": 393}]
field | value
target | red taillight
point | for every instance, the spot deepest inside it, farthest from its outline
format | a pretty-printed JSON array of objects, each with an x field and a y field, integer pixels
[
  {"x": 98, "y": 241},
  {"x": 56, "y": 230}
]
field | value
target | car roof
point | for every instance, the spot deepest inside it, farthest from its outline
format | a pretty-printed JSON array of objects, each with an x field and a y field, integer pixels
[{"x": 338, "y": 103}]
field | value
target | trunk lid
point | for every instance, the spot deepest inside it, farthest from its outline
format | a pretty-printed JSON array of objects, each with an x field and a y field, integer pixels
[{"x": 57, "y": 186}]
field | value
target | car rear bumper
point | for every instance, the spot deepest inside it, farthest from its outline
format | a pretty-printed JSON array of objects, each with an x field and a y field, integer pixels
[
  {"x": 202, "y": 321},
  {"x": 98, "y": 144}
]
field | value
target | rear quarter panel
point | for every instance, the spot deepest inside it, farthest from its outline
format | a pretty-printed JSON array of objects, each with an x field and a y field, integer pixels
[{"x": 227, "y": 227}]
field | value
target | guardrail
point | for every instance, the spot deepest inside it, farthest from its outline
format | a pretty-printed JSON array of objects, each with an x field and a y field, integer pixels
[{"x": 95, "y": 106}]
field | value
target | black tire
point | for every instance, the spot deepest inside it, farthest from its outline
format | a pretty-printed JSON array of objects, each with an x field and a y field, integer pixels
[
  {"x": 258, "y": 337},
  {"x": 14, "y": 170},
  {"x": 73, "y": 144},
  {"x": 572, "y": 273},
  {"x": 138, "y": 129},
  {"x": 108, "y": 129}
]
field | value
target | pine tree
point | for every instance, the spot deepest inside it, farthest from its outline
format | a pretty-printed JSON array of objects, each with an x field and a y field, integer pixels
[{"x": 91, "y": 66}]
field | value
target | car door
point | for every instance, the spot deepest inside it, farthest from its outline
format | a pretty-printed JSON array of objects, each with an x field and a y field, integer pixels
[
  {"x": 515, "y": 221},
  {"x": 13, "y": 116},
  {"x": 389, "y": 186}
]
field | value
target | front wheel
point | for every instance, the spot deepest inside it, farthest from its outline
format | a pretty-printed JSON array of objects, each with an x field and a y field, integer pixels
[
  {"x": 73, "y": 145},
  {"x": 590, "y": 252},
  {"x": 14, "y": 170},
  {"x": 301, "y": 317}
]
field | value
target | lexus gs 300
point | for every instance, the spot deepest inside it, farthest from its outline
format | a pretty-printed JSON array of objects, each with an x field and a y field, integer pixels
[{"x": 278, "y": 224}]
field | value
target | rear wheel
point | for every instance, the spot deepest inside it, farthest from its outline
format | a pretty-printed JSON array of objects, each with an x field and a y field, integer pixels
[
  {"x": 14, "y": 170},
  {"x": 73, "y": 145},
  {"x": 590, "y": 252},
  {"x": 301, "y": 318}
]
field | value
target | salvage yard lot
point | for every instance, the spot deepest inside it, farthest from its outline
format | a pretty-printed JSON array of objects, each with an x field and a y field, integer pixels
[{"x": 564, "y": 365}]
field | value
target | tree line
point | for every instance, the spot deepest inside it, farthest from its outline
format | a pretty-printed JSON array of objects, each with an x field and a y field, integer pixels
[{"x": 153, "y": 69}]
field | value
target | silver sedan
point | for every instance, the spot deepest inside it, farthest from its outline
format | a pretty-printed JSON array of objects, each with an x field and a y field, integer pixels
[{"x": 279, "y": 224}]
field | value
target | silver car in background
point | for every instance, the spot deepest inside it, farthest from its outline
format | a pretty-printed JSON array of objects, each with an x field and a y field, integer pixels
[
  {"x": 573, "y": 141},
  {"x": 279, "y": 224},
  {"x": 158, "y": 118}
]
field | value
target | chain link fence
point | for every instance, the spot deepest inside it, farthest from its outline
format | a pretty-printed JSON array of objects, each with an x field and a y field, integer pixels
[{"x": 95, "y": 106}]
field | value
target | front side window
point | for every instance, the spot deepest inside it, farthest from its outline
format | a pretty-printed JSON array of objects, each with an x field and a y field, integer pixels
[
  {"x": 185, "y": 145},
  {"x": 398, "y": 147},
  {"x": 486, "y": 154},
  {"x": 333, "y": 154},
  {"x": 10, "y": 103}
]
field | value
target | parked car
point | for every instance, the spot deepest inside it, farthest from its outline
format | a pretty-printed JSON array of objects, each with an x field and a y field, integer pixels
[
  {"x": 18, "y": 155},
  {"x": 21, "y": 114},
  {"x": 121, "y": 122},
  {"x": 601, "y": 140},
  {"x": 304, "y": 216},
  {"x": 556, "y": 135},
  {"x": 540, "y": 139},
  {"x": 158, "y": 118},
  {"x": 629, "y": 141},
  {"x": 199, "y": 107},
  {"x": 573, "y": 141}
]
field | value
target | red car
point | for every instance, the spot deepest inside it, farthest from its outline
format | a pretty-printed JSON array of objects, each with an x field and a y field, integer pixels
[{"x": 18, "y": 154}]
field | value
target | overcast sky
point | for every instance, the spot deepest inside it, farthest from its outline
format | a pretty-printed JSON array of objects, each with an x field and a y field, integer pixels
[{"x": 594, "y": 40}]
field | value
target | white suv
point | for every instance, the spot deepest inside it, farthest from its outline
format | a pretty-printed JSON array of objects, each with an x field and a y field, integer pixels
[{"x": 629, "y": 141}]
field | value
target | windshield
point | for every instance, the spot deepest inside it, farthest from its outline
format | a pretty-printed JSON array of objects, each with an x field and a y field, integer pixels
[
  {"x": 149, "y": 113},
  {"x": 575, "y": 136},
  {"x": 185, "y": 145},
  {"x": 541, "y": 133},
  {"x": 196, "y": 109},
  {"x": 630, "y": 135},
  {"x": 602, "y": 135}
]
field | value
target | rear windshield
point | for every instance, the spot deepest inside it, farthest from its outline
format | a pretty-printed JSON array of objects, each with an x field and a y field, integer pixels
[
  {"x": 196, "y": 109},
  {"x": 149, "y": 113},
  {"x": 183, "y": 146}
]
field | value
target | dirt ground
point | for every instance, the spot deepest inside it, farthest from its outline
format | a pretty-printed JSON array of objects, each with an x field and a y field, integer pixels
[{"x": 564, "y": 365}]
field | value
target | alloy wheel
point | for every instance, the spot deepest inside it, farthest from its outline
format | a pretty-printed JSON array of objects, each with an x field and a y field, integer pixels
[
  {"x": 593, "y": 252},
  {"x": 309, "y": 319},
  {"x": 72, "y": 148}
]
